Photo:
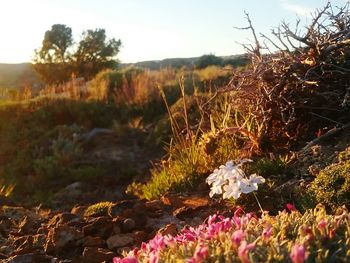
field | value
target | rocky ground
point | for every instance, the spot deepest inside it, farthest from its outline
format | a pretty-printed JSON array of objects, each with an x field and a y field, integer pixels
[
  {"x": 69, "y": 232},
  {"x": 40, "y": 235}
]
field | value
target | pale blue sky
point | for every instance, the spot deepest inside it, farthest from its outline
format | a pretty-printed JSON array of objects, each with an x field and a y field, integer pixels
[{"x": 148, "y": 29}]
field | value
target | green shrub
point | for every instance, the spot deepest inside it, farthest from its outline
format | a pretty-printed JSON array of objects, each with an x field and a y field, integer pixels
[
  {"x": 98, "y": 209},
  {"x": 332, "y": 185},
  {"x": 267, "y": 167},
  {"x": 208, "y": 60}
]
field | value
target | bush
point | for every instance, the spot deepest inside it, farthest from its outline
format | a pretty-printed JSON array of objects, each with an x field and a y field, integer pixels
[
  {"x": 99, "y": 209},
  {"x": 332, "y": 186},
  {"x": 208, "y": 60}
]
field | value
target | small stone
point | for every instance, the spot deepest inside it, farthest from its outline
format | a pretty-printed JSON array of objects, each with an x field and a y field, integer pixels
[
  {"x": 90, "y": 241},
  {"x": 63, "y": 218},
  {"x": 101, "y": 227},
  {"x": 128, "y": 225},
  {"x": 119, "y": 209},
  {"x": 154, "y": 205},
  {"x": 169, "y": 229},
  {"x": 118, "y": 241},
  {"x": 140, "y": 236},
  {"x": 97, "y": 255},
  {"x": 63, "y": 236},
  {"x": 116, "y": 229},
  {"x": 172, "y": 200},
  {"x": 32, "y": 258},
  {"x": 78, "y": 210}
]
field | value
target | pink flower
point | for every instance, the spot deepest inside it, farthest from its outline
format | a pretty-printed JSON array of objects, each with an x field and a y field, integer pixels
[
  {"x": 201, "y": 252},
  {"x": 157, "y": 243},
  {"x": 125, "y": 260},
  {"x": 237, "y": 237},
  {"x": 154, "y": 257},
  {"x": 243, "y": 251},
  {"x": 291, "y": 207},
  {"x": 322, "y": 224},
  {"x": 267, "y": 232},
  {"x": 298, "y": 254}
]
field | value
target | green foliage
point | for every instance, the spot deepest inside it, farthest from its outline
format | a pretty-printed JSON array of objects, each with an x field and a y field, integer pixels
[
  {"x": 98, "y": 209},
  {"x": 208, "y": 60},
  {"x": 182, "y": 171},
  {"x": 95, "y": 53},
  {"x": 52, "y": 60},
  {"x": 332, "y": 185},
  {"x": 57, "y": 61},
  {"x": 267, "y": 167},
  {"x": 39, "y": 143}
]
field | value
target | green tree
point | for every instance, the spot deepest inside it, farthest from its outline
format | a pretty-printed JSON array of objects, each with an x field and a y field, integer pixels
[
  {"x": 53, "y": 60},
  {"x": 95, "y": 53},
  {"x": 208, "y": 60},
  {"x": 56, "y": 61}
]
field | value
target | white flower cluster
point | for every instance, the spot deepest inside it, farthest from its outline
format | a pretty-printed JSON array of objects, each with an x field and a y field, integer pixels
[{"x": 231, "y": 181}]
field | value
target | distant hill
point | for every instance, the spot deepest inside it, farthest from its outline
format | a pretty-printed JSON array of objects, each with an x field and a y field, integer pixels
[
  {"x": 234, "y": 60},
  {"x": 15, "y": 76}
]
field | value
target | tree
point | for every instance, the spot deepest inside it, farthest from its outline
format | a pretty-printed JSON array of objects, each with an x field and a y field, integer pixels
[
  {"x": 56, "y": 61},
  {"x": 52, "y": 61},
  {"x": 208, "y": 60},
  {"x": 95, "y": 53}
]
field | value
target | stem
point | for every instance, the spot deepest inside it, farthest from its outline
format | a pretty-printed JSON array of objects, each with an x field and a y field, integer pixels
[{"x": 257, "y": 200}]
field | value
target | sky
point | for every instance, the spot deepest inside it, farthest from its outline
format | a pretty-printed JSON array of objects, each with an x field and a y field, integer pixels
[{"x": 148, "y": 29}]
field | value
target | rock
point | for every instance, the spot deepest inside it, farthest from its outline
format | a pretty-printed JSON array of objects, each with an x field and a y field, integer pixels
[
  {"x": 100, "y": 226},
  {"x": 71, "y": 191},
  {"x": 18, "y": 213},
  {"x": 6, "y": 225},
  {"x": 3, "y": 256},
  {"x": 183, "y": 212},
  {"x": 97, "y": 255},
  {"x": 119, "y": 208},
  {"x": 74, "y": 187},
  {"x": 128, "y": 225},
  {"x": 27, "y": 225},
  {"x": 169, "y": 229},
  {"x": 28, "y": 244},
  {"x": 90, "y": 241},
  {"x": 154, "y": 205},
  {"x": 118, "y": 241},
  {"x": 78, "y": 210},
  {"x": 63, "y": 236},
  {"x": 157, "y": 223},
  {"x": 139, "y": 237},
  {"x": 32, "y": 258},
  {"x": 196, "y": 202},
  {"x": 116, "y": 229},
  {"x": 63, "y": 218},
  {"x": 172, "y": 200},
  {"x": 6, "y": 201}
]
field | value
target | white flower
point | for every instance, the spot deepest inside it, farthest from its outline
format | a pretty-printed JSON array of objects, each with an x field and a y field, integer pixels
[
  {"x": 256, "y": 179},
  {"x": 212, "y": 177},
  {"x": 246, "y": 186},
  {"x": 243, "y": 161},
  {"x": 215, "y": 189},
  {"x": 231, "y": 181},
  {"x": 231, "y": 190}
]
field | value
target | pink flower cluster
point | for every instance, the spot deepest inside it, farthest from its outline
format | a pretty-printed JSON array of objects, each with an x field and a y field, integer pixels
[{"x": 216, "y": 224}]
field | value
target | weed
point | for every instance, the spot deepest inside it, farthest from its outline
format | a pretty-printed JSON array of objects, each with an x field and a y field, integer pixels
[{"x": 98, "y": 209}]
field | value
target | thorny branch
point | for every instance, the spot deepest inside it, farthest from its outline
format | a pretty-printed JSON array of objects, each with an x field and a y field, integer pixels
[{"x": 308, "y": 73}]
